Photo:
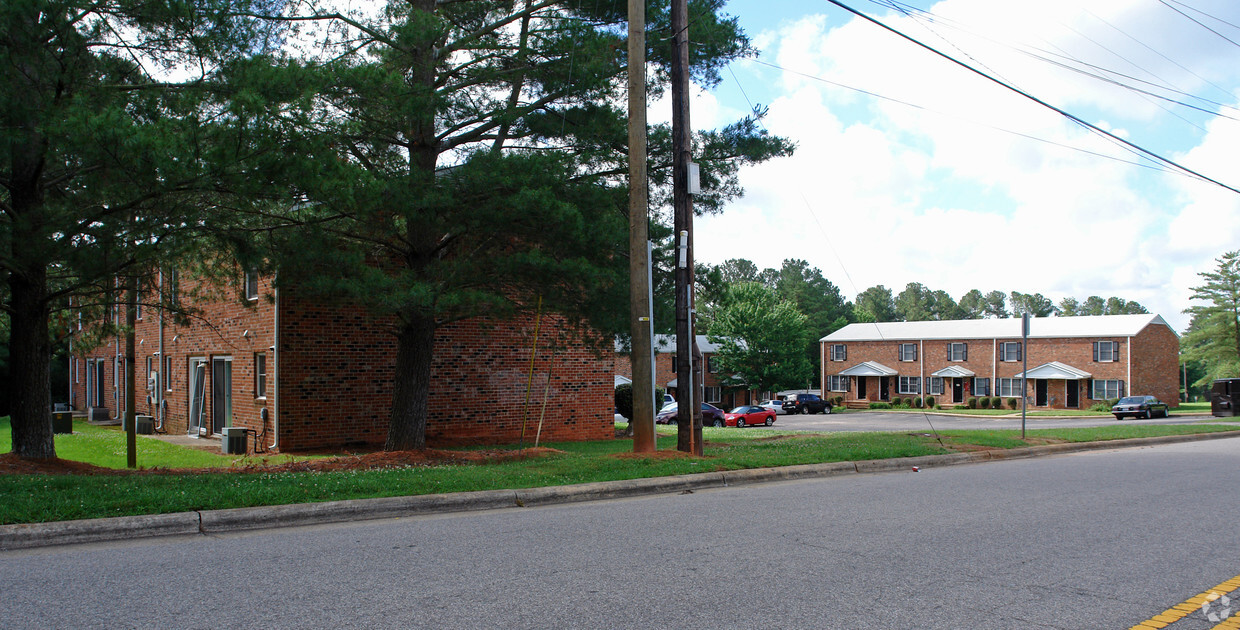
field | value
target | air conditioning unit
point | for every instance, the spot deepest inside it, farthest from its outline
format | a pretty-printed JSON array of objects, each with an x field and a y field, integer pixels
[{"x": 233, "y": 441}]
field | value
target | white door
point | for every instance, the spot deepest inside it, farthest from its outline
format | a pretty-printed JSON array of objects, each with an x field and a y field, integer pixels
[{"x": 197, "y": 395}]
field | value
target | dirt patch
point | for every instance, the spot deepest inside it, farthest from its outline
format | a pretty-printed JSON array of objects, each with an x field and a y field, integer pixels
[{"x": 11, "y": 464}]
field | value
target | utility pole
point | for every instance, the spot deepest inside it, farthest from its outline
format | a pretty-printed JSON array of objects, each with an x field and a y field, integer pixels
[
  {"x": 688, "y": 356},
  {"x": 131, "y": 320},
  {"x": 640, "y": 321}
]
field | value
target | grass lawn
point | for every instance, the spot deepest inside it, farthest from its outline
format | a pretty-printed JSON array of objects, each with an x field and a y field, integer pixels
[{"x": 42, "y": 498}]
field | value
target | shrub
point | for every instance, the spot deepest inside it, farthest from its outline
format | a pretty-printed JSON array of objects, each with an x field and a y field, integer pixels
[
  {"x": 1014, "y": 403},
  {"x": 917, "y": 402},
  {"x": 880, "y": 405},
  {"x": 624, "y": 399},
  {"x": 1111, "y": 402},
  {"x": 971, "y": 402},
  {"x": 983, "y": 402},
  {"x": 1102, "y": 406}
]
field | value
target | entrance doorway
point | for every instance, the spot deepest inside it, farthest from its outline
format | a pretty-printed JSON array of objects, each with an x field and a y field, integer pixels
[
  {"x": 1073, "y": 394},
  {"x": 884, "y": 389},
  {"x": 1039, "y": 392},
  {"x": 197, "y": 395},
  {"x": 957, "y": 390},
  {"x": 861, "y": 387},
  {"x": 221, "y": 393}
]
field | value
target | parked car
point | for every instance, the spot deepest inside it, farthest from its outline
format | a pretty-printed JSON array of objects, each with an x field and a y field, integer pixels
[
  {"x": 1139, "y": 407},
  {"x": 747, "y": 415},
  {"x": 806, "y": 403},
  {"x": 711, "y": 415},
  {"x": 774, "y": 405}
]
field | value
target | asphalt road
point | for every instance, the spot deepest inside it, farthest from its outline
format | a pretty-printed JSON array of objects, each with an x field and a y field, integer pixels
[
  {"x": 1098, "y": 540},
  {"x": 913, "y": 421}
]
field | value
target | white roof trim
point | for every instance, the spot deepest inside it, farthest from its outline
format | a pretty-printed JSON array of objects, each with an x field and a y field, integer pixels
[
  {"x": 1056, "y": 370},
  {"x": 869, "y": 368},
  {"x": 954, "y": 371},
  {"x": 1039, "y": 328}
]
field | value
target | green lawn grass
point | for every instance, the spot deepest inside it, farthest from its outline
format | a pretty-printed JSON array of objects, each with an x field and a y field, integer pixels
[{"x": 43, "y": 498}]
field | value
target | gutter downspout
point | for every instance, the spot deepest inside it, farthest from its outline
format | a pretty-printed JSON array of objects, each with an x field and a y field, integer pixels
[
  {"x": 162, "y": 385},
  {"x": 275, "y": 372},
  {"x": 1128, "y": 369}
]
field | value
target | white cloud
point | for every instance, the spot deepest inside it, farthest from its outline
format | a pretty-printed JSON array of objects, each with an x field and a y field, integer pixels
[{"x": 943, "y": 185}]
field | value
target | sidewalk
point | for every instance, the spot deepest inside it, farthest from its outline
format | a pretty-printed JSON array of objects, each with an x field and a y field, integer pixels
[{"x": 211, "y": 522}]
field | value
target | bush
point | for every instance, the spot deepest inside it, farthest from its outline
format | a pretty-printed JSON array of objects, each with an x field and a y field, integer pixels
[
  {"x": 1014, "y": 403},
  {"x": 917, "y": 402},
  {"x": 971, "y": 403},
  {"x": 624, "y": 399},
  {"x": 983, "y": 402},
  {"x": 880, "y": 405},
  {"x": 1102, "y": 406}
]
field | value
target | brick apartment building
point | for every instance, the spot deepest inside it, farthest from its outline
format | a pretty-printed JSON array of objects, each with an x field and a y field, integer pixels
[
  {"x": 302, "y": 374},
  {"x": 719, "y": 389},
  {"x": 1074, "y": 362}
]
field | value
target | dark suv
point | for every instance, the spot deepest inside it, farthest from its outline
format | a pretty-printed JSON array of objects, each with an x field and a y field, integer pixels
[{"x": 806, "y": 403}]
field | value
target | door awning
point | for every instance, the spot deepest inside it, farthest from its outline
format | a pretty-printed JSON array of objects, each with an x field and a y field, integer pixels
[
  {"x": 954, "y": 371},
  {"x": 1055, "y": 370},
  {"x": 869, "y": 368}
]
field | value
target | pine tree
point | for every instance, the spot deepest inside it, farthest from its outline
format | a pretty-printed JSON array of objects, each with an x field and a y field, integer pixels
[
  {"x": 469, "y": 161},
  {"x": 1213, "y": 336}
]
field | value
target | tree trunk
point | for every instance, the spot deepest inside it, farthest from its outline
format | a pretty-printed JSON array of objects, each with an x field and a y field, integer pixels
[
  {"x": 415, "y": 347},
  {"x": 29, "y": 349}
]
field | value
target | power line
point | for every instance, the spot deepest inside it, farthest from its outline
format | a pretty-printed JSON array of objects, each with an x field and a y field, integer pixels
[{"x": 1037, "y": 100}]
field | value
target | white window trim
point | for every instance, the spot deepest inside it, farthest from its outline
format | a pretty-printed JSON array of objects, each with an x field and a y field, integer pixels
[
  {"x": 843, "y": 352},
  {"x": 1093, "y": 388},
  {"x": 964, "y": 351},
  {"x": 838, "y": 383},
  {"x": 974, "y": 388},
  {"x": 914, "y": 353},
  {"x": 1003, "y": 351},
  {"x": 260, "y": 377},
  {"x": 903, "y": 381},
  {"x": 934, "y": 386},
  {"x": 1013, "y": 388}
]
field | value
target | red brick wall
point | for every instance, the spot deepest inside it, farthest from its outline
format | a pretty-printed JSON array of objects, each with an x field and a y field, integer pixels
[
  {"x": 335, "y": 369},
  {"x": 1154, "y": 363}
]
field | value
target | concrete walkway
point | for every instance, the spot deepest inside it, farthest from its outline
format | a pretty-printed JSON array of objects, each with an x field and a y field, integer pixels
[{"x": 208, "y": 522}]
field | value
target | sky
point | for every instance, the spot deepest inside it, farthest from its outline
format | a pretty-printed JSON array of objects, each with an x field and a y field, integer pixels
[{"x": 910, "y": 168}]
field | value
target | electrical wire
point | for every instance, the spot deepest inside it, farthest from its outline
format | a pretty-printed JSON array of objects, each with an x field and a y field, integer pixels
[{"x": 1094, "y": 128}]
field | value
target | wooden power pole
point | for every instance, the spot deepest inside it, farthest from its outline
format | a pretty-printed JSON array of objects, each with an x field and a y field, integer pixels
[
  {"x": 688, "y": 356},
  {"x": 640, "y": 322}
]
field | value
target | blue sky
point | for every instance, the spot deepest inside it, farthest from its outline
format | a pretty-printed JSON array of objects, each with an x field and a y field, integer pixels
[{"x": 948, "y": 180}]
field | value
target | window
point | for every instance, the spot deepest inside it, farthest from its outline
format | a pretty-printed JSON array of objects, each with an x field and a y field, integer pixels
[
  {"x": 712, "y": 366},
  {"x": 260, "y": 375},
  {"x": 1008, "y": 388},
  {"x": 675, "y": 368},
  {"x": 1010, "y": 351},
  {"x": 1106, "y": 352},
  {"x": 839, "y": 352},
  {"x": 957, "y": 352},
  {"x": 712, "y": 394},
  {"x": 251, "y": 284},
  {"x": 908, "y": 352},
  {"x": 170, "y": 286},
  {"x": 909, "y": 385},
  {"x": 168, "y": 372},
  {"x": 76, "y": 364},
  {"x": 150, "y": 370},
  {"x": 981, "y": 387},
  {"x": 837, "y": 383},
  {"x": 934, "y": 385},
  {"x": 1102, "y": 389},
  {"x": 137, "y": 304}
]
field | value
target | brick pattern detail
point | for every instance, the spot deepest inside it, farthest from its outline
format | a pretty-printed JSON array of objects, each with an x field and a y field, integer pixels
[{"x": 334, "y": 369}]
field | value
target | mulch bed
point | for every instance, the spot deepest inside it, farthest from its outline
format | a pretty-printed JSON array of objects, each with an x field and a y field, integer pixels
[{"x": 11, "y": 464}]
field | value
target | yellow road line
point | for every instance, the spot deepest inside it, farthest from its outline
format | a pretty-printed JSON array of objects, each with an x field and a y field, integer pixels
[{"x": 1186, "y": 608}]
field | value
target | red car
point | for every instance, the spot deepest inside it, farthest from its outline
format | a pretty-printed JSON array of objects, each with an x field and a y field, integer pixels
[{"x": 748, "y": 415}]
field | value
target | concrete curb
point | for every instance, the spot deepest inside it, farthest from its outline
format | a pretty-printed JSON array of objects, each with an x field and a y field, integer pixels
[{"x": 33, "y": 535}]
